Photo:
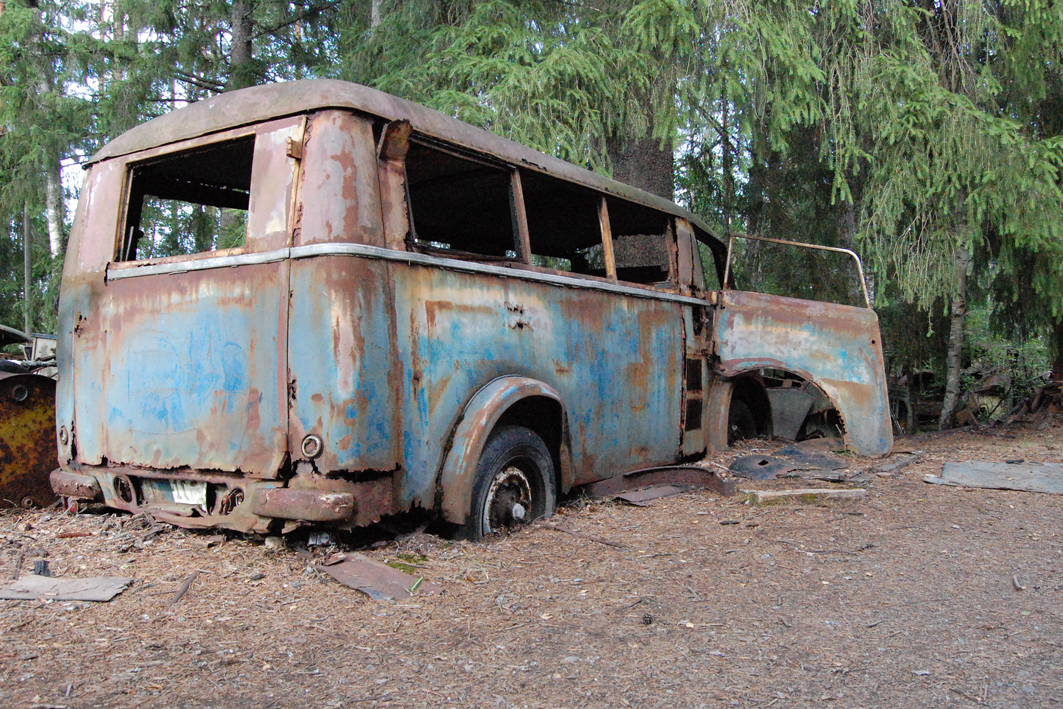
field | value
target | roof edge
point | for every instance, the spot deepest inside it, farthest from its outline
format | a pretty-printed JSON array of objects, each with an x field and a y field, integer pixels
[{"x": 260, "y": 103}]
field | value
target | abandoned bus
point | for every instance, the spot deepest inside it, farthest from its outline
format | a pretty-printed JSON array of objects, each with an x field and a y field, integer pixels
[{"x": 314, "y": 302}]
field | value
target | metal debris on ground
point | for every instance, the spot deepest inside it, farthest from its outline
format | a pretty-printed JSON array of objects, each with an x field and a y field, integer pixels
[
  {"x": 1031, "y": 477},
  {"x": 830, "y": 476},
  {"x": 32, "y": 587},
  {"x": 318, "y": 539},
  {"x": 809, "y": 458},
  {"x": 761, "y": 496},
  {"x": 898, "y": 462},
  {"x": 645, "y": 497},
  {"x": 693, "y": 476},
  {"x": 376, "y": 580},
  {"x": 759, "y": 467}
]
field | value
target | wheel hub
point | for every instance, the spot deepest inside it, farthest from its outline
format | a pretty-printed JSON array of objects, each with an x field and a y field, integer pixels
[{"x": 508, "y": 500}]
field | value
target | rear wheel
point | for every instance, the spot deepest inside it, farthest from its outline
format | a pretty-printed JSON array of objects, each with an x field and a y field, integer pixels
[{"x": 514, "y": 483}]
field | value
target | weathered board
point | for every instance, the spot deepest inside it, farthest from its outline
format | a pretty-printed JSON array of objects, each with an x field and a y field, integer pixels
[
  {"x": 762, "y": 496},
  {"x": 32, "y": 587},
  {"x": 1045, "y": 477}
]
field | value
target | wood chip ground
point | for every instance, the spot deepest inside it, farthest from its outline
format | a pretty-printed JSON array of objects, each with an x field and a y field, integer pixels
[{"x": 918, "y": 595}]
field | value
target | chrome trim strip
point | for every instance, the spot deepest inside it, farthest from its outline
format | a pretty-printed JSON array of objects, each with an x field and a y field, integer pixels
[
  {"x": 375, "y": 252},
  {"x": 116, "y": 274}
]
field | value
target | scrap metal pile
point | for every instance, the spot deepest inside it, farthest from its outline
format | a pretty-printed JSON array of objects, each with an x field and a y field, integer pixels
[{"x": 28, "y": 449}]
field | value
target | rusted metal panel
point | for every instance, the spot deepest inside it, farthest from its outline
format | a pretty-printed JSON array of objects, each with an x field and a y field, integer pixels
[
  {"x": 837, "y": 347},
  {"x": 458, "y": 331},
  {"x": 341, "y": 197},
  {"x": 274, "y": 179},
  {"x": 182, "y": 369},
  {"x": 185, "y": 370},
  {"x": 342, "y": 363},
  {"x": 309, "y": 505},
  {"x": 27, "y": 439},
  {"x": 391, "y": 161}
]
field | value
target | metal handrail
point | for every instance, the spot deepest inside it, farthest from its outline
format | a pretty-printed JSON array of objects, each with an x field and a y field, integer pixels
[{"x": 730, "y": 251}]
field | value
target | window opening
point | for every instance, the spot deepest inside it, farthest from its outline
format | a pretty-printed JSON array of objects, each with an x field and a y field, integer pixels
[
  {"x": 640, "y": 243},
  {"x": 189, "y": 202},
  {"x": 563, "y": 225},
  {"x": 709, "y": 266},
  {"x": 458, "y": 207}
]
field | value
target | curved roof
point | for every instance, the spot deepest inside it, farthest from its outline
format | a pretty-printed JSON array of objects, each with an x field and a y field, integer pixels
[{"x": 260, "y": 103}]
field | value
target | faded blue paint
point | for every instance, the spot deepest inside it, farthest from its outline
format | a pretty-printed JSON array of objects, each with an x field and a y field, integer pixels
[
  {"x": 838, "y": 347},
  {"x": 186, "y": 367},
  {"x": 614, "y": 360},
  {"x": 341, "y": 356}
]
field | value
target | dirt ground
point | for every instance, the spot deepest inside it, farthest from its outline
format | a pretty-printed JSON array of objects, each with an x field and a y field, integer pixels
[{"x": 908, "y": 598}]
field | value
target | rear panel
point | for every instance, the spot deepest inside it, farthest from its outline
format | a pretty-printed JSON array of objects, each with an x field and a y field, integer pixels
[{"x": 176, "y": 366}]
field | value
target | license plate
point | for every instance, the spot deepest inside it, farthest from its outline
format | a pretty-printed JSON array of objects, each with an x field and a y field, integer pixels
[{"x": 187, "y": 492}]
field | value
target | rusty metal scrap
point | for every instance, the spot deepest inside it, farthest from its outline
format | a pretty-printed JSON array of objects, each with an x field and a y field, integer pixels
[
  {"x": 27, "y": 439},
  {"x": 376, "y": 580}
]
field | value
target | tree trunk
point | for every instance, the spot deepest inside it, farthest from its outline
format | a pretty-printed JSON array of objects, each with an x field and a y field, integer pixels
[
  {"x": 956, "y": 338},
  {"x": 1057, "y": 365},
  {"x": 241, "y": 69},
  {"x": 728, "y": 162},
  {"x": 642, "y": 163},
  {"x": 53, "y": 202},
  {"x": 53, "y": 178},
  {"x": 374, "y": 16},
  {"x": 27, "y": 266}
]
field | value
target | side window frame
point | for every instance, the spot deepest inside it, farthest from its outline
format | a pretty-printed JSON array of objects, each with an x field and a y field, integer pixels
[{"x": 274, "y": 229}]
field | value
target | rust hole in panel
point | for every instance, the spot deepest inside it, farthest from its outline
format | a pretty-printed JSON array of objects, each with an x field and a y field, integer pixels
[
  {"x": 230, "y": 501},
  {"x": 124, "y": 489},
  {"x": 694, "y": 375},
  {"x": 693, "y": 417}
]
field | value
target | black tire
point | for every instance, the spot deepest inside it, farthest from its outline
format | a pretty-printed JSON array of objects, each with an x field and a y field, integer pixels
[
  {"x": 740, "y": 422},
  {"x": 514, "y": 483}
]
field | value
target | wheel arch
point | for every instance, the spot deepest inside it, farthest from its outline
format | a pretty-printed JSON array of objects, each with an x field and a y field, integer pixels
[
  {"x": 722, "y": 400},
  {"x": 510, "y": 400},
  {"x": 744, "y": 387}
]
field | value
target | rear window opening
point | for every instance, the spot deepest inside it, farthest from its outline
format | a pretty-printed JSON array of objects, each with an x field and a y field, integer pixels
[
  {"x": 640, "y": 243},
  {"x": 190, "y": 202},
  {"x": 458, "y": 207},
  {"x": 563, "y": 225}
]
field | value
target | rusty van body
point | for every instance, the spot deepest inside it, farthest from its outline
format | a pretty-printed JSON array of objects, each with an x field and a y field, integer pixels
[{"x": 415, "y": 313}]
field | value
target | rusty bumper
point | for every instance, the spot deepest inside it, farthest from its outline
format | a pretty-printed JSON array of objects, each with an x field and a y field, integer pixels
[
  {"x": 305, "y": 505},
  {"x": 83, "y": 487},
  {"x": 199, "y": 500}
]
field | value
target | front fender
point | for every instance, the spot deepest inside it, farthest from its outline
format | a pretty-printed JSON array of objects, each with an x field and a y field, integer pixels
[
  {"x": 836, "y": 347},
  {"x": 483, "y": 411}
]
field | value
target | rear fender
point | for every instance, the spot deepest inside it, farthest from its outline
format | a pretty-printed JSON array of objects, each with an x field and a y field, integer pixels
[{"x": 481, "y": 414}]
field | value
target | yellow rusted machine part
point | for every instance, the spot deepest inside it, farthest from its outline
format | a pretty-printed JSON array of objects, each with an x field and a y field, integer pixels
[{"x": 28, "y": 450}]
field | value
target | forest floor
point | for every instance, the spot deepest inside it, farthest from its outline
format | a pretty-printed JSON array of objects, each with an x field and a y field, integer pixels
[{"x": 918, "y": 595}]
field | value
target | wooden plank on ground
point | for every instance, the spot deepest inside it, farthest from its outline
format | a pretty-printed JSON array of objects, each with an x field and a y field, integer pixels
[
  {"x": 1031, "y": 477},
  {"x": 825, "y": 493}
]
